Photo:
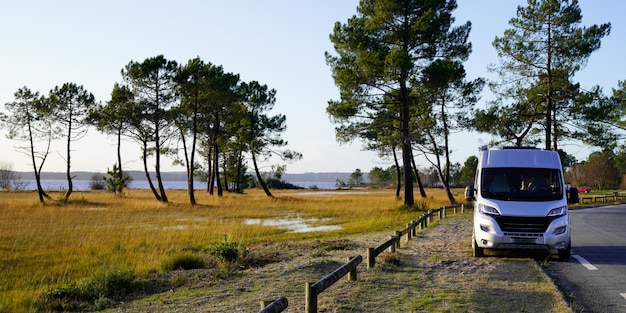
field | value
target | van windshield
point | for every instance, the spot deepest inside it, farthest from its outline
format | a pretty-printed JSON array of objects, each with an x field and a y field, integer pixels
[{"x": 521, "y": 184}]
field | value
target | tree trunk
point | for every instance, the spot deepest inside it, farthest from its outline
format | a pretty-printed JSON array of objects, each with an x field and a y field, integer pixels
[
  {"x": 145, "y": 169},
  {"x": 119, "y": 149},
  {"x": 398, "y": 173},
  {"x": 549, "y": 93},
  {"x": 446, "y": 140},
  {"x": 216, "y": 169},
  {"x": 405, "y": 141},
  {"x": 258, "y": 176},
  {"x": 417, "y": 177},
  {"x": 440, "y": 172},
  {"x": 157, "y": 166},
  {"x": 189, "y": 168},
  {"x": 68, "y": 174},
  {"x": 40, "y": 192},
  {"x": 211, "y": 175},
  {"x": 157, "y": 150}
]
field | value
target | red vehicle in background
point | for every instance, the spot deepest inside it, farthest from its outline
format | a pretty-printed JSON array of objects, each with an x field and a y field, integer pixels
[{"x": 584, "y": 189}]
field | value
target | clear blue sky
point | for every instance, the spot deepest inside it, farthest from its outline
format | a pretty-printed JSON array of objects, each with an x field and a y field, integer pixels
[{"x": 278, "y": 43}]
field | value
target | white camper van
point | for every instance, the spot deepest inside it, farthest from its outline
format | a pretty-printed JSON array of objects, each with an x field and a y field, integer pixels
[{"x": 520, "y": 201}]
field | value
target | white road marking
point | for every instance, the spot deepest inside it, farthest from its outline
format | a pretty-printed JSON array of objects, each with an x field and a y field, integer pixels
[
  {"x": 584, "y": 262},
  {"x": 623, "y": 295}
]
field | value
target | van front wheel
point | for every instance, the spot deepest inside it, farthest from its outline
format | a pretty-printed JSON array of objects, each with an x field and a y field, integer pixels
[
  {"x": 478, "y": 251},
  {"x": 565, "y": 253}
]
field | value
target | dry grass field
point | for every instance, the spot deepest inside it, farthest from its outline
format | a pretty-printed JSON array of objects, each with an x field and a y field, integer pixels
[
  {"x": 43, "y": 246},
  {"x": 301, "y": 235}
]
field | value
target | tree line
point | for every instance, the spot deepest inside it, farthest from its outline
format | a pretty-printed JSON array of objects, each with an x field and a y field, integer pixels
[
  {"x": 404, "y": 91},
  {"x": 603, "y": 170},
  {"x": 209, "y": 120}
]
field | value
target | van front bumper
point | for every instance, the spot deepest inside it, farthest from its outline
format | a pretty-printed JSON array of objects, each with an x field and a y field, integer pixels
[{"x": 489, "y": 235}]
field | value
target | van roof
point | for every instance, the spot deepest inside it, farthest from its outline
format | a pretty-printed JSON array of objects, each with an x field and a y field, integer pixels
[{"x": 520, "y": 158}]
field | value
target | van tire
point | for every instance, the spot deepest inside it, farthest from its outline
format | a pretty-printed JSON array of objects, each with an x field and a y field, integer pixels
[
  {"x": 565, "y": 253},
  {"x": 478, "y": 251}
]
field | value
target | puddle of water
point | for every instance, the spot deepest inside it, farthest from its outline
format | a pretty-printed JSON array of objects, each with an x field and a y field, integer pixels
[
  {"x": 157, "y": 227},
  {"x": 175, "y": 227},
  {"x": 293, "y": 224},
  {"x": 97, "y": 209}
]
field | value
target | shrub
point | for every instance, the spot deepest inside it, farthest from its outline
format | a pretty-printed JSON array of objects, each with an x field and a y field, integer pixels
[
  {"x": 61, "y": 299},
  {"x": 419, "y": 206},
  {"x": 97, "y": 292},
  {"x": 184, "y": 261},
  {"x": 117, "y": 180},
  {"x": 389, "y": 258},
  {"x": 227, "y": 251},
  {"x": 114, "y": 284},
  {"x": 96, "y": 182}
]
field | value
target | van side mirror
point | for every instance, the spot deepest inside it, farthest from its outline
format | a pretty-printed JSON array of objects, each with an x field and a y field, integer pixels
[
  {"x": 572, "y": 195},
  {"x": 470, "y": 193}
]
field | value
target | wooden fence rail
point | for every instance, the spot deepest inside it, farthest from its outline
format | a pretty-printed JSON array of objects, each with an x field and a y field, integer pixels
[
  {"x": 275, "y": 306},
  {"x": 409, "y": 231},
  {"x": 313, "y": 290},
  {"x": 372, "y": 253},
  {"x": 584, "y": 198}
]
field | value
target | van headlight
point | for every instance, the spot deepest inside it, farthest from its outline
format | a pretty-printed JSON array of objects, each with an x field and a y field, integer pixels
[
  {"x": 485, "y": 209},
  {"x": 560, "y": 211}
]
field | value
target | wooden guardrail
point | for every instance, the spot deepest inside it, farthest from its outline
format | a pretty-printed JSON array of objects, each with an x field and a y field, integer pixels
[
  {"x": 312, "y": 291},
  {"x": 602, "y": 198},
  {"x": 275, "y": 306},
  {"x": 409, "y": 231}
]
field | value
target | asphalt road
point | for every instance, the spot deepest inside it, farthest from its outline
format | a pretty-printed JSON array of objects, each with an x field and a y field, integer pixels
[{"x": 594, "y": 278}]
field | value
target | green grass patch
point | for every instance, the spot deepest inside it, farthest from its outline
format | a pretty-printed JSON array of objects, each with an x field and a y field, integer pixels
[
  {"x": 183, "y": 261},
  {"x": 96, "y": 293}
]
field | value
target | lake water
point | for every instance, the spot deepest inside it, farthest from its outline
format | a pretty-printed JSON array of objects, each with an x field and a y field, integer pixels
[{"x": 61, "y": 184}]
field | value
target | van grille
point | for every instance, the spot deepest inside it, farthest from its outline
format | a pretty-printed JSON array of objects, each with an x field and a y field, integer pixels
[{"x": 523, "y": 224}]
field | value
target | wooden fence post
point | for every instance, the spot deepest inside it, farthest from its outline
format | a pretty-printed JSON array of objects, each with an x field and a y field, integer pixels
[
  {"x": 265, "y": 303},
  {"x": 371, "y": 260},
  {"x": 312, "y": 291},
  {"x": 399, "y": 236},
  {"x": 410, "y": 231},
  {"x": 392, "y": 247},
  {"x": 352, "y": 273},
  {"x": 310, "y": 298}
]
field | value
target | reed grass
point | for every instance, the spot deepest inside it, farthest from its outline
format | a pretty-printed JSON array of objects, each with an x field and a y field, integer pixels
[{"x": 44, "y": 246}]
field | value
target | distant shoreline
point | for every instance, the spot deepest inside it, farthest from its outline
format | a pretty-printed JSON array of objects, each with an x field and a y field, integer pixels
[
  {"x": 82, "y": 184},
  {"x": 182, "y": 176}
]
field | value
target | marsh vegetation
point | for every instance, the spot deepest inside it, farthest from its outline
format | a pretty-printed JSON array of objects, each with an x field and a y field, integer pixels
[
  {"x": 53, "y": 246},
  {"x": 131, "y": 253}
]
